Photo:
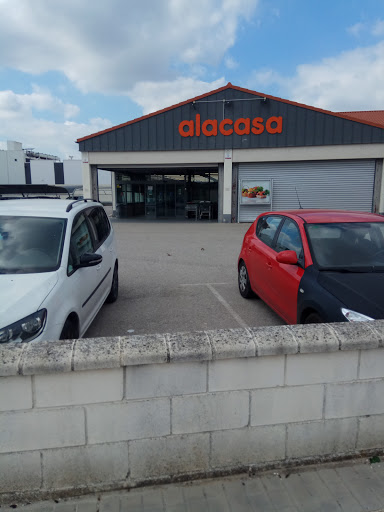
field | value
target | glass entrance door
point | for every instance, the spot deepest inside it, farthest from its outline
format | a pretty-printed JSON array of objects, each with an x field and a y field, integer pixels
[
  {"x": 166, "y": 195},
  {"x": 180, "y": 200},
  {"x": 150, "y": 202},
  {"x": 165, "y": 200}
]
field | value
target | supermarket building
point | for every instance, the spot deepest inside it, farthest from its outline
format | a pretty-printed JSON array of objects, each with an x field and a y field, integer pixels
[{"x": 232, "y": 153}]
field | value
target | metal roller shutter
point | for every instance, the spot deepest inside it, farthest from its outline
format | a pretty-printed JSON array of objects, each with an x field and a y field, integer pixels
[{"x": 345, "y": 185}]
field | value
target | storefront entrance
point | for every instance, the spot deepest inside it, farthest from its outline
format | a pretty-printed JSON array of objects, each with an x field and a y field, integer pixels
[{"x": 166, "y": 196}]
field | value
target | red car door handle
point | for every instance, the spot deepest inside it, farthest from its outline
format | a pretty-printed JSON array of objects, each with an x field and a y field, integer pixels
[{"x": 269, "y": 265}]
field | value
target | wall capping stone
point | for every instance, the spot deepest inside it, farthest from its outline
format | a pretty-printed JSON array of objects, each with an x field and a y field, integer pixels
[
  {"x": 110, "y": 413},
  {"x": 115, "y": 352}
]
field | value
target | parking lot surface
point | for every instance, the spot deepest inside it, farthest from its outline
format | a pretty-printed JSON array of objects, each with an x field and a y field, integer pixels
[{"x": 178, "y": 277}]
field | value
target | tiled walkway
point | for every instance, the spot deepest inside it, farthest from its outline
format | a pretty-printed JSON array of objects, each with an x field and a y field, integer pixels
[{"x": 353, "y": 487}]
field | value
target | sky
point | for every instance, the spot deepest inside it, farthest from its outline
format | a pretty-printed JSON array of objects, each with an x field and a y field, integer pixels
[{"x": 69, "y": 68}]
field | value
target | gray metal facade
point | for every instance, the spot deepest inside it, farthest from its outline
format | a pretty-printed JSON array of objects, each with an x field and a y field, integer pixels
[
  {"x": 301, "y": 127},
  {"x": 345, "y": 184}
]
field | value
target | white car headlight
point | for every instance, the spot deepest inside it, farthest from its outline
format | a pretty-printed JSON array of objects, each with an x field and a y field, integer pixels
[
  {"x": 25, "y": 329},
  {"x": 352, "y": 316}
]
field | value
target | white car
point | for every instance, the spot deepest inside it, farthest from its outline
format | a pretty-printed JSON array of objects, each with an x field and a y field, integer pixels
[{"x": 58, "y": 265}]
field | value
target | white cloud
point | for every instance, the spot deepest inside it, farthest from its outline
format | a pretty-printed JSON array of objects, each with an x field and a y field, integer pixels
[
  {"x": 356, "y": 29},
  {"x": 122, "y": 43},
  {"x": 378, "y": 28},
  {"x": 53, "y": 138},
  {"x": 346, "y": 82},
  {"x": 231, "y": 63},
  {"x": 18, "y": 122},
  {"x": 157, "y": 52},
  {"x": 152, "y": 96},
  {"x": 14, "y": 105},
  {"x": 260, "y": 80},
  {"x": 373, "y": 28},
  {"x": 19, "y": 114}
]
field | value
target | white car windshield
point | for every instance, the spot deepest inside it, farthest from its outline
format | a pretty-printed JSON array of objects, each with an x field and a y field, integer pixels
[
  {"x": 30, "y": 244},
  {"x": 348, "y": 246}
]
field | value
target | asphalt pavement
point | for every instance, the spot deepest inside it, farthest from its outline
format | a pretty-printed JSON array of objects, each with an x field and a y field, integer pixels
[{"x": 178, "y": 277}]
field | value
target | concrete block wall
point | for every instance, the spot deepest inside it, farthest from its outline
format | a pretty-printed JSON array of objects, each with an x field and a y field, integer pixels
[{"x": 108, "y": 413}]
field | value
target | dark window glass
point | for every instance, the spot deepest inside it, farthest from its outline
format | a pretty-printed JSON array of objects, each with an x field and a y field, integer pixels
[
  {"x": 289, "y": 238},
  {"x": 100, "y": 222},
  {"x": 267, "y": 227},
  {"x": 81, "y": 241},
  {"x": 347, "y": 245},
  {"x": 30, "y": 244}
]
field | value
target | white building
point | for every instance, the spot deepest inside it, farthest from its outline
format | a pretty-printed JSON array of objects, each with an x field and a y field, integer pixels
[
  {"x": 20, "y": 166},
  {"x": 12, "y": 162}
]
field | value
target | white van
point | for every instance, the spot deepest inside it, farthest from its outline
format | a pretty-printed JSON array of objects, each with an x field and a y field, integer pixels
[{"x": 58, "y": 265}]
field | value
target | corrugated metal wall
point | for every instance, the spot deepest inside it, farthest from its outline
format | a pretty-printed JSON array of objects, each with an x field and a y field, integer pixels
[
  {"x": 346, "y": 185},
  {"x": 301, "y": 127}
]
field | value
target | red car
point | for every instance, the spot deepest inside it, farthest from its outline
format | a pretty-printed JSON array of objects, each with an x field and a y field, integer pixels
[{"x": 313, "y": 266}]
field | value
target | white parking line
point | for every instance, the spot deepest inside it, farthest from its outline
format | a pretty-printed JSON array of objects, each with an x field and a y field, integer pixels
[
  {"x": 238, "y": 319},
  {"x": 221, "y": 299}
]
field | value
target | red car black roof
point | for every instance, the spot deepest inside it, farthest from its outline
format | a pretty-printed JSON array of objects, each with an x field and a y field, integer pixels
[{"x": 321, "y": 216}]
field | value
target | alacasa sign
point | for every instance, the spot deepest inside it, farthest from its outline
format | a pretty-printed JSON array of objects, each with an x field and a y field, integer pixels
[{"x": 241, "y": 126}]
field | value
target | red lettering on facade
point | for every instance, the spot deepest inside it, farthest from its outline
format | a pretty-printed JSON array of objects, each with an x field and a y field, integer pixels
[
  {"x": 189, "y": 125},
  {"x": 278, "y": 128},
  {"x": 198, "y": 125},
  {"x": 258, "y": 126},
  {"x": 242, "y": 126},
  {"x": 213, "y": 124},
  {"x": 223, "y": 124},
  {"x": 247, "y": 124}
]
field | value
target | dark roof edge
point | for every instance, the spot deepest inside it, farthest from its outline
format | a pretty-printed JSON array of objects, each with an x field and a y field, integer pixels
[
  {"x": 235, "y": 87},
  {"x": 359, "y": 111}
]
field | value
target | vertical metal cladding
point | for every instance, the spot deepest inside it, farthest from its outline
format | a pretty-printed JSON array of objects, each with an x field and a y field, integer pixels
[
  {"x": 341, "y": 184},
  {"x": 269, "y": 123}
]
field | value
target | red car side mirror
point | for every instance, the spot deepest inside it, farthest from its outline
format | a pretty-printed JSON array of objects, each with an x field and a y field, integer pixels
[{"x": 287, "y": 257}]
